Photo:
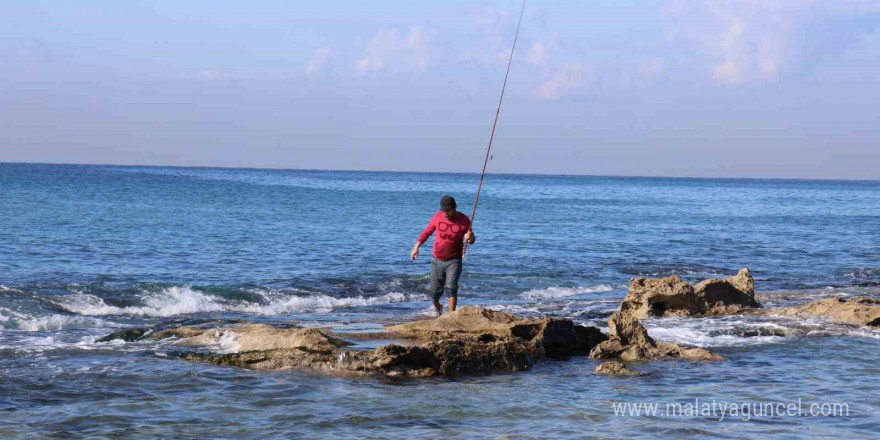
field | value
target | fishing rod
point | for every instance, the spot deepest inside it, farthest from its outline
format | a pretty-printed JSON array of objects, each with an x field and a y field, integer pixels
[{"x": 494, "y": 124}]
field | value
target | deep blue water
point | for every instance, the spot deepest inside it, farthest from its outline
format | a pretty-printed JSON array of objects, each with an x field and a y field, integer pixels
[{"x": 85, "y": 250}]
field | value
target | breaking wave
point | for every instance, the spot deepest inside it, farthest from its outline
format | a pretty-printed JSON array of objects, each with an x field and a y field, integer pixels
[
  {"x": 173, "y": 301},
  {"x": 12, "y": 320},
  {"x": 562, "y": 292}
]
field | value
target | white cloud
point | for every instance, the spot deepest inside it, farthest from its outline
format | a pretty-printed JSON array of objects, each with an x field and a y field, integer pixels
[
  {"x": 752, "y": 41},
  {"x": 537, "y": 53},
  {"x": 318, "y": 61},
  {"x": 570, "y": 79},
  {"x": 655, "y": 67},
  {"x": 390, "y": 49},
  {"x": 208, "y": 74}
]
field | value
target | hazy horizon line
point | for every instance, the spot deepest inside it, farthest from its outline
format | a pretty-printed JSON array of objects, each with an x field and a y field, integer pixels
[{"x": 263, "y": 168}]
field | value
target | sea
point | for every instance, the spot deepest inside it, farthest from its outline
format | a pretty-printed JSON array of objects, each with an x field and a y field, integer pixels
[{"x": 87, "y": 250}]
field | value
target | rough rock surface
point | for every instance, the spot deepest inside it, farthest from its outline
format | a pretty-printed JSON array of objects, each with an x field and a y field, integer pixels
[
  {"x": 629, "y": 341},
  {"x": 552, "y": 337},
  {"x": 671, "y": 296},
  {"x": 468, "y": 341},
  {"x": 857, "y": 311},
  {"x": 614, "y": 368}
]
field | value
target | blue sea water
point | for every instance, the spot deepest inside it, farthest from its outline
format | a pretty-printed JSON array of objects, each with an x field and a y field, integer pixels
[{"x": 86, "y": 250}]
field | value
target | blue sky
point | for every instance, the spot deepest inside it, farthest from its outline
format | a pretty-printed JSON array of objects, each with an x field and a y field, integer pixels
[{"x": 726, "y": 88}]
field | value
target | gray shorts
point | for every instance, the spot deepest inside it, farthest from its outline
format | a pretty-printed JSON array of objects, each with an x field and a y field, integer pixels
[{"x": 444, "y": 274}]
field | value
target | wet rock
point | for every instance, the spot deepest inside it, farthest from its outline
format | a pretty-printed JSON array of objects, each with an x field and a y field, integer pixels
[
  {"x": 629, "y": 341},
  {"x": 446, "y": 357},
  {"x": 261, "y": 337},
  {"x": 671, "y": 296},
  {"x": 127, "y": 335},
  {"x": 550, "y": 337},
  {"x": 177, "y": 332},
  {"x": 614, "y": 368},
  {"x": 264, "y": 347},
  {"x": 856, "y": 311}
]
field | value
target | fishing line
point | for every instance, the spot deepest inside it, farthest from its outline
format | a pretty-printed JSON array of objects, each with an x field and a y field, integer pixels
[{"x": 494, "y": 124}]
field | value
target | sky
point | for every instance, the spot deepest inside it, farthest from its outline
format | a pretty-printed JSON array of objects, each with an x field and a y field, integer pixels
[{"x": 723, "y": 88}]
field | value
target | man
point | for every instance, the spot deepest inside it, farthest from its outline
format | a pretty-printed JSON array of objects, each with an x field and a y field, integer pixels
[{"x": 452, "y": 228}]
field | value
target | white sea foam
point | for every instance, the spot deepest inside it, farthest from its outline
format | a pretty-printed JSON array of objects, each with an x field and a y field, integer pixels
[
  {"x": 19, "y": 321},
  {"x": 58, "y": 322},
  {"x": 170, "y": 301},
  {"x": 227, "y": 342},
  {"x": 562, "y": 292},
  {"x": 174, "y": 301},
  {"x": 741, "y": 331},
  {"x": 279, "y": 304},
  {"x": 717, "y": 333}
]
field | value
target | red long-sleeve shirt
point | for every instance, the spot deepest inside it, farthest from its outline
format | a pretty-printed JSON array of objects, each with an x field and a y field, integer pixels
[{"x": 450, "y": 234}]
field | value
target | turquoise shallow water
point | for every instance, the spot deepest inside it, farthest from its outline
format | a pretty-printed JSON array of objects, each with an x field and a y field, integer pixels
[{"x": 85, "y": 250}]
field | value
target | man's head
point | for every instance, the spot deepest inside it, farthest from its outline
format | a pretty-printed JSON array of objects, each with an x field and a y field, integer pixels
[{"x": 447, "y": 205}]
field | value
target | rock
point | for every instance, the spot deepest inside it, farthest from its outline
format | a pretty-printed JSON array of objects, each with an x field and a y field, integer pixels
[
  {"x": 550, "y": 337},
  {"x": 265, "y": 347},
  {"x": 468, "y": 341},
  {"x": 127, "y": 335},
  {"x": 628, "y": 330},
  {"x": 667, "y": 296},
  {"x": 671, "y": 296},
  {"x": 261, "y": 337},
  {"x": 446, "y": 357},
  {"x": 629, "y": 341},
  {"x": 727, "y": 297},
  {"x": 856, "y": 311},
  {"x": 614, "y": 368}
]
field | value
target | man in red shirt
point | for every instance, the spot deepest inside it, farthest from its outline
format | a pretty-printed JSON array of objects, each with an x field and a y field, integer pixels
[{"x": 452, "y": 229}]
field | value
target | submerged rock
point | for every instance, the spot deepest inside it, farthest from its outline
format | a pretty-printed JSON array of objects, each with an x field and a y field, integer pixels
[
  {"x": 671, "y": 296},
  {"x": 614, "y": 368},
  {"x": 857, "y": 311},
  {"x": 551, "y": 337},
  {"x": 127, "y": 335}
]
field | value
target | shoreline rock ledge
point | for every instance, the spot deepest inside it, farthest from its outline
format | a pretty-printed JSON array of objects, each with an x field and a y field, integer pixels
[{"x": 470, "y": 340}]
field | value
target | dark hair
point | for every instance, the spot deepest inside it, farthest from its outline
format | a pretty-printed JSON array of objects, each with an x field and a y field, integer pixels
[{"x": 447, "y": 203}]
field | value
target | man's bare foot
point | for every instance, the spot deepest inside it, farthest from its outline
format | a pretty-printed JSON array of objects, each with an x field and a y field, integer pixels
[{"x": 438, "y": 308}]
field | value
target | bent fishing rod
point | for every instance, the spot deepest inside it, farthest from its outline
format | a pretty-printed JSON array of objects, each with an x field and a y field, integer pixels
[{"x": 494, "y": 125}]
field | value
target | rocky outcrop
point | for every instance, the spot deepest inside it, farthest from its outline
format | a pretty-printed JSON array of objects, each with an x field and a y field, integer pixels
[
  {"x": 614, "y": 368},
  {"x": 553, "y": 338},
  {"x": 671, "y": 296},
  {"x": 468, "y": 341},
  {"x": 629, "y": 341},
  {"x": 263, "y": 347},
  {"x": 856, "y": 311}
]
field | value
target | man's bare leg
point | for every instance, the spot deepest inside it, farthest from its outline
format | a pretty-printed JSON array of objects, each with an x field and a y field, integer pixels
[
  {"x": 452, "y": 302},
  {"x": 438, "y": 308}
]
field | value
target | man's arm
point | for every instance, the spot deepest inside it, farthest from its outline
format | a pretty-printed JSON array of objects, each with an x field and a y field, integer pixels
[{"x": 423, "y": 237}]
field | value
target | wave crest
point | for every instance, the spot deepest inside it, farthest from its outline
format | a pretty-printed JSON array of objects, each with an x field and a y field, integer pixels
[
  {"x": 172, "y": 301},
  {"x": 562, "y": 292}
]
